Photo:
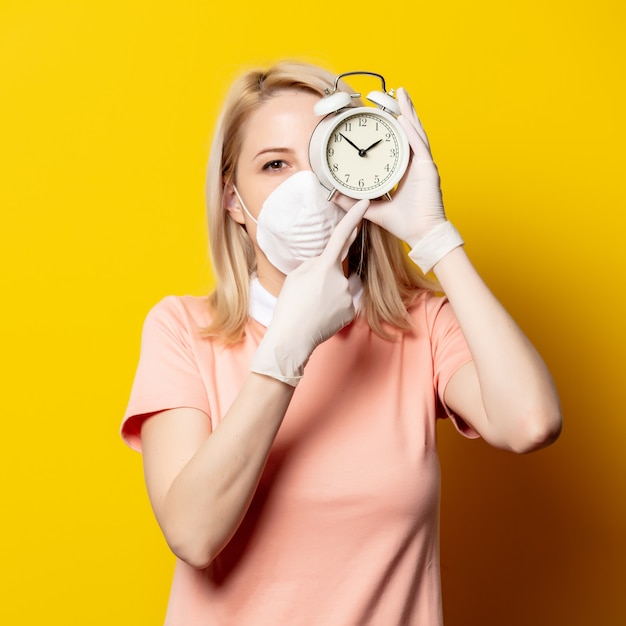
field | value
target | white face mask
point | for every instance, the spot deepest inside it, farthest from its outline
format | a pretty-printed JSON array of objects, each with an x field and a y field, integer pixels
[{"x": 295, "y": 221}]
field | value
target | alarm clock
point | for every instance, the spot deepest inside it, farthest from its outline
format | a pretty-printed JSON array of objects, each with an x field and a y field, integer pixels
[{"x": 362, "y": 151}]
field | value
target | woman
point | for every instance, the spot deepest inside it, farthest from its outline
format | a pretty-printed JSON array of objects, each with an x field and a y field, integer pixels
[{"x": 288, "y": 422}]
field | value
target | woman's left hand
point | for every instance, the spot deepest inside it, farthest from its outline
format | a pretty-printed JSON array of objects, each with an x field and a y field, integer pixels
[{"x": 417, "y": 205}]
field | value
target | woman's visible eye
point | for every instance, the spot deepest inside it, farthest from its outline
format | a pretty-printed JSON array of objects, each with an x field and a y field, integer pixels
[{"x": 275, "y": 165}]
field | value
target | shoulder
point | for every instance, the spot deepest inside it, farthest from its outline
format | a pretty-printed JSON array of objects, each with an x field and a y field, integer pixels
[
  {"x": 182, "y": 311},
  {"x": 427, "y": 306}
]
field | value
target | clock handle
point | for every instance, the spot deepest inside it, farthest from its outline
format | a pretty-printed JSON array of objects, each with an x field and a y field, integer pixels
[{"x": 385, "y": 101}]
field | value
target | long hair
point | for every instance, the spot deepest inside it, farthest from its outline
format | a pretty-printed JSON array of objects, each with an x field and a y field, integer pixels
[{"x": 390, "y": 279}]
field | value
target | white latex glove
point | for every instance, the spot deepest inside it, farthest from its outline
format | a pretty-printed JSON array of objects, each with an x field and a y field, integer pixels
[
  {"x": 416, "y": 214},
  {"x": 314, "y": 303}
]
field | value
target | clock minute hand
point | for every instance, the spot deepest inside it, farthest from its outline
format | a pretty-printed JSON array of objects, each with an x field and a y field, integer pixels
[{"x": 360, "y": 150}]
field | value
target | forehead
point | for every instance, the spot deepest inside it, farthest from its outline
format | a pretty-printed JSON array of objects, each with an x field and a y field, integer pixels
[{"x": 283, "y": 120}]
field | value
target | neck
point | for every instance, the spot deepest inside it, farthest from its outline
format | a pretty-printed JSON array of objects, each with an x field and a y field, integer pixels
[{"x": 270, "y": 278}]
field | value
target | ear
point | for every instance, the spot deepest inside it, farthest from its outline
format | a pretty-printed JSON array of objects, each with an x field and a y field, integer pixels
[{"x": 231, "y": 204}]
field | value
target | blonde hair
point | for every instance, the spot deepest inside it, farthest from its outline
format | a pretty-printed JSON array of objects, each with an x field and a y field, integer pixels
[{"x": 390, "y": 279}]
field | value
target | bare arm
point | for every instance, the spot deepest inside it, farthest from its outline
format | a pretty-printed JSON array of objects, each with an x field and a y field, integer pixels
[
  {"x": 201, "y": 483},
  {"x": 506, "y": 393}
]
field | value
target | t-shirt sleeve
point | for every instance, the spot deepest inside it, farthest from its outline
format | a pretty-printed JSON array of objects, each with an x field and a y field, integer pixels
[
  {"x": 449, "y": 353},
  {"x": 167, "y": 375}
]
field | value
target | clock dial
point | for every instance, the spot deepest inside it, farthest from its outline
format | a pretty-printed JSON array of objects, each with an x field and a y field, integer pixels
[{"x": 363, "y": 152}]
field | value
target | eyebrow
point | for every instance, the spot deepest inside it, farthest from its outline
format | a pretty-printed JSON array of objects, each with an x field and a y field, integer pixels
[{"x": 269, "y": 150}]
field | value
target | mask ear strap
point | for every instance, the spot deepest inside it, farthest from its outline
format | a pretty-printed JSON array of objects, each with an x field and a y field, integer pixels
[{"x": 243, "y": 205}]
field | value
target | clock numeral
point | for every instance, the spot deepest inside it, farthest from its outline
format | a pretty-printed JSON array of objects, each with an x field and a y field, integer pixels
[
  {"x": 331, "y": 152},
  {"x": 361, "y": 182},
  {"x": 347, "y": 176},
  {"x": 335, "y": 167},
  {"x": 348, "y": 126},
  {"x": 393, "y": 152},
  {"x": 387, "y": 167},
  {"x": 376, "y": 179},
  {"x": 337, "y": 138},
  {"x": 387, "y": 136},
  {"x": 362, "y": 121},
  {"x": 376, "y": 125}
]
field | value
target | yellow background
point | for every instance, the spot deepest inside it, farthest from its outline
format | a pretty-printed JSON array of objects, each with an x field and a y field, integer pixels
[{"x": 106, "y": 111}]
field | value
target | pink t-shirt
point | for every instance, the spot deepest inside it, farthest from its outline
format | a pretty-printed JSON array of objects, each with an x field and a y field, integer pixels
[{"x": 343, "y": 529}]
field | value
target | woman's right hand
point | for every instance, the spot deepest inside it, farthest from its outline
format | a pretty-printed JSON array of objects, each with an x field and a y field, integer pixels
[{"x": 314, "y": 303}]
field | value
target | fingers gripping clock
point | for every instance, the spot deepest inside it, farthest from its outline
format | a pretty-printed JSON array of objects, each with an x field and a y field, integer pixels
[{"x": 362, "y": 152}]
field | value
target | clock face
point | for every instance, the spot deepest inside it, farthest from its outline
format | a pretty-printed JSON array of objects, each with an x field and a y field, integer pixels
[{"x": 365, "y": 154}]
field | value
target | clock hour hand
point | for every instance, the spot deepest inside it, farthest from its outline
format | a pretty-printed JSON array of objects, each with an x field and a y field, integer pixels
[
  {"x": 360, "y": 150},
  {"x": 367, "y": 149}
]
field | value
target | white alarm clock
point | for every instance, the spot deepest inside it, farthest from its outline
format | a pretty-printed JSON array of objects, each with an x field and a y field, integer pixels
[{"x": 361, "y": 152}]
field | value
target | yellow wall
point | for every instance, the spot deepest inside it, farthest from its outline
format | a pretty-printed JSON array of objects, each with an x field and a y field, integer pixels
[{"x": 106, "y": 109}]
